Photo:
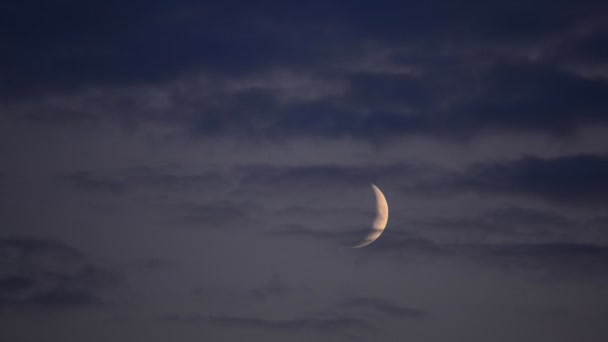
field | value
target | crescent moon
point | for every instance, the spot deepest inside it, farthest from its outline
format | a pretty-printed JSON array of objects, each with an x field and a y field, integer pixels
[{"x": 380, "y": 221}]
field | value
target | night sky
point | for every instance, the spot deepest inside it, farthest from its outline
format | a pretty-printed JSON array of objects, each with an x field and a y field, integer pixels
[{"x": 198, "y": 171}]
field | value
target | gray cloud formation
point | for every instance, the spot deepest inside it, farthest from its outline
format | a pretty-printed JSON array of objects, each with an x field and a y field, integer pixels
[
  {"x": 274, "y": 287},
  {"x": 566, "y": 261},
  {"x": 382, "y": 306},
  {"x": 45, "y": 274},
  {"x": 324, "y": 325},
  {"x": 563, "y": 261},
  {"x": 576, "y": 180},
  {"x": 140, "y": 178},
  {"x": 503, "y": 224}
]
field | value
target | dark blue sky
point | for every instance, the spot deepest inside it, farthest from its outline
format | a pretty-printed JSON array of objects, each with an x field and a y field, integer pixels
[{"x": 192, "y": 171}]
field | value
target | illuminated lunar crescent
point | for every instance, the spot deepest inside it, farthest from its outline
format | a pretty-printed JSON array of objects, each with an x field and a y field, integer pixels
[{"x": 381, "y": 218}]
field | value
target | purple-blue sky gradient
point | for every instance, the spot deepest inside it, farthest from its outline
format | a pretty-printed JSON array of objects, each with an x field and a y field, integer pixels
[{"x": 191, "y": 171}]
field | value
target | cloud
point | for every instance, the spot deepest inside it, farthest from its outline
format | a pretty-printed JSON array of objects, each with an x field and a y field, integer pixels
[
  {"x": 344, "y": 238},
  {"x": 382, "y": 306},
  {"x": 107, "y": 39},
  {"x": 403, "y": 76},
  {"x": 408, "y": 247},
  {"x": 44, "y": 49},
  {"x": 583, "y": 51},
  {"x": 580, "y": 179},
  {"x": 153, "y": 264},
  {"x": 532, "y": 97},
  {"x": 324, "y": 325},
  {"x": 565, "y": 260},
  {"x": 160, "y": 183},
  {"x": 515, "y": 97},
  {"x": 90, "y": 181},
  {"x": 45, "y": 274},
  {"x": 393, "y": 240},
  {"x": 16, "y": 284},
  {"x": 498, "y": 21},
  {"x": 295, "y": 325},
  {"x": 134, "y": 179},
  {"x": 56, "y": 299},
  {"x": 274, "y": 287},
  {"x": 574, "y": 179},
  {"x": 330, "y": 174},
  {"x": 502, "y": 224},
  {"x": 240, "y": 179},
  {"x": 220, "y": 214}
]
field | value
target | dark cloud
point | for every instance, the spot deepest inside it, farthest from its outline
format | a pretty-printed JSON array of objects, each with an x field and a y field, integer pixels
[
  {"x": 47, "y": 274},
  {"x": 514, "y": 97},
  {"x": 500, "y": 21},
  {"x": 408, "y": 248},
  {"x": 373, "y": 90},
  {"x": 90, "y": 181},
  {"x": 243, "y": 177},
  {"x": 600, "y": 222},
  {"x": 392, "y": 240},
  {"x": 154, "y": 264},
  {"x": 586, "y": 49},
  {"x": 14, "y": 284},
  {"x": 26, "y": 248},
  {"x": 549, "y": 260},
  {"x": 140, "y": 178},
  {"x": 330, "y": 174},
  {"x": 267, "y": 174},
  {"x": 383, "y": 306},
  {"x": 162, "y": 183},
  {"x": 61, "y": 298},
  {"x": 69, "y": 44},
  {"x": 532, "y": 97},
  {"x": 224, "y": 214},
  {"x": 566, "y": 261},
  {"x": 295, "y": 325},
  {"x": 274, "y": 287},
  {"x": 528, "y": 217},
  {"x": 343, "y": 238},
  {"x": 330, "y": 121},
  {"x": 116, "y": 45},
  {"x": 325, "y": 325},
  {"x": 573, "y": 180},
  {"x": 505, "y": 223},
  {"x": 580, "y": 179}
]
